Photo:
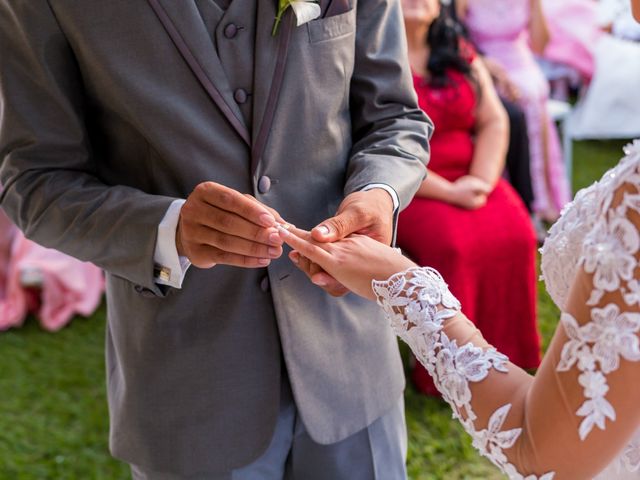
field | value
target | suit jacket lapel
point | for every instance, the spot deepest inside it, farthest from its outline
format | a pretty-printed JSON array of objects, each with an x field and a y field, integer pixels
[
  {"x": 184, "y": 25},
  {"x": 270, "y": 60}
]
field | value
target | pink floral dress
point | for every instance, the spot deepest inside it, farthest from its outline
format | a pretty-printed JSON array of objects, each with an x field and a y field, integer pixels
[{"x": 499, "y": 30}]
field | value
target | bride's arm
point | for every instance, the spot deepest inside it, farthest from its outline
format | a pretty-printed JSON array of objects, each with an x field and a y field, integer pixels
[
  {"x": 525, "y": 425},
  {"x": 582, "y": 406}
]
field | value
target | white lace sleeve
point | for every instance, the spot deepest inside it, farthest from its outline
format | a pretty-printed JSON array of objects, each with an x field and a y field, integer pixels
[
  {"x": 587, "y": 381},
  {"x": 606, "y": 245},
  {"x": 609, "y": 254},
  {"x": 418, "y": 302}
]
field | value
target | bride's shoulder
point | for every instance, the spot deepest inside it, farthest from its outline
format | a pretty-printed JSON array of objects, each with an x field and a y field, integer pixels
[{"x": 563, "y": 248}]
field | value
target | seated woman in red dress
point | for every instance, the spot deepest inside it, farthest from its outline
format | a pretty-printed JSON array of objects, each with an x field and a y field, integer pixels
[{"x": 466, "y": 220}]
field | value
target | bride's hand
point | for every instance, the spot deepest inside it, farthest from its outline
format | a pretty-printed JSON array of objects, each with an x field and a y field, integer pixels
[{"x": 354, "y": 261}]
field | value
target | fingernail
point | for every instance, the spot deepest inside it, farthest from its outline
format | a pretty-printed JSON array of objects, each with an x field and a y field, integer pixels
[
  {"x": 273, "y": 252},
  {"x": 264, "y": 261},
  {"x": 318, "y": 282},
  {"x": 283, "y": 230},
  {"x": 275, "y": 239},
  {"x": 294, "y": 258},
  {"x": 267, "y": 220},
  {"x": 324, "y": 230}
]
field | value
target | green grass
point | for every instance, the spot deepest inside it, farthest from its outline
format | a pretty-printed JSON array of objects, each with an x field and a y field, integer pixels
[{"x": 53, "y": 413}]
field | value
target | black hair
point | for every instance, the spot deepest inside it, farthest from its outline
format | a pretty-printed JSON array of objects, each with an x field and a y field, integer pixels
[{"x": 443, "y": 39}]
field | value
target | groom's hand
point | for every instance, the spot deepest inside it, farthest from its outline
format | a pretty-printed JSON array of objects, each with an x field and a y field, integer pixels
[
  {"x": 219, "y": 225},
  {"x": 369, "y": 213}
]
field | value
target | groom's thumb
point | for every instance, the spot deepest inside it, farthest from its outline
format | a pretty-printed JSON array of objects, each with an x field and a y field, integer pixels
[{"x": 335, "y": 228}]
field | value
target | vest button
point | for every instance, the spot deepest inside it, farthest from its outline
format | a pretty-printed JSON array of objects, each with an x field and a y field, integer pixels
[
  {"x": 264, "y": 184},
  {"x": 240, "y": 95},
  {"x": 230, "y": 31}
]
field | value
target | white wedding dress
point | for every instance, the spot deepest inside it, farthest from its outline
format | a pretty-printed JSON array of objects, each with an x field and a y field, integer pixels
[{"x": 578, "y": 417}]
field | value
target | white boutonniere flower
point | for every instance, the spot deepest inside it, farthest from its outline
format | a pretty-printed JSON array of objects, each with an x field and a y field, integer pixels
[{"x": 304, "y": 10}]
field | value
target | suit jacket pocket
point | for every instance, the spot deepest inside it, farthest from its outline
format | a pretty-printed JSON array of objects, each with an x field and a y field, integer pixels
[{"x": 332, "y": 27}]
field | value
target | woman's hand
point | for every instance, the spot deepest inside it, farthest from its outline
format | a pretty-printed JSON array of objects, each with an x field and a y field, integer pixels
[
  {"x": 367, "y": 212},
  {"x": 469, "y": 192},
  {"x": 353, "y": 261}
]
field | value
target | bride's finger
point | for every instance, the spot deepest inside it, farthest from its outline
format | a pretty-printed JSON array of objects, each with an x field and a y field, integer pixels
[
  {"x": 306, "y": 235},
  {"x": 304, "y": 247},
  {"x": 329, "y": 284},
  {"x": 294, "y": 256},
  {"x": 298, "y": 232}
]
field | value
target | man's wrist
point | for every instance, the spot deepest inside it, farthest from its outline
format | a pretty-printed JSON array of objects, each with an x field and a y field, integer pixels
[
  {"x": 170, "y": 266},
  {"x": 383, "y": 198},
  {"x": 390, "y": 193},
  {"x": 179, "y": 247}
]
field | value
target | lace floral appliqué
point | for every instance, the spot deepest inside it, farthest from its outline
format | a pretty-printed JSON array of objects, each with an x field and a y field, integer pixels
[
  {"x": 608, "y": 252},
  {"x": 577, "y": 350},
  {"x": 562, "y": 252},
  {"x": 418, "y": 302}
]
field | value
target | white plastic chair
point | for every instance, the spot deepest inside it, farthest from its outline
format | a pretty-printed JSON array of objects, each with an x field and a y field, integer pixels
[{"x": 560, "y": 112}]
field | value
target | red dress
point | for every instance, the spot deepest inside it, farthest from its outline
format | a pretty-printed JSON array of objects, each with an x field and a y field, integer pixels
[{"x": 487, "y": 256}]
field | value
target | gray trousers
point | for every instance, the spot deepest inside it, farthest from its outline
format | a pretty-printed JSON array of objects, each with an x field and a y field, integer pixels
[{"x": 377, "y": 452}]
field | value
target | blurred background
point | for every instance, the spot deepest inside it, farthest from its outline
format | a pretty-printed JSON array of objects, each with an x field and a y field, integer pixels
[{"x": 564, "y": 75}]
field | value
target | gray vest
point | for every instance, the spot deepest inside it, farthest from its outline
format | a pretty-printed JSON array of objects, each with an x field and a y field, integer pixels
[{"x": 232, "y": 26}]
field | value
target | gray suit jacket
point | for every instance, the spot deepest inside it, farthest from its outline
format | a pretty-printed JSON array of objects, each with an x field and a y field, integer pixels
[{"x": 110, "y": 110}]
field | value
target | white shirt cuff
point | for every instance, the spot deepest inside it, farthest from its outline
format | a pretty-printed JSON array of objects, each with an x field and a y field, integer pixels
[
  {"x": 389, "y": 190},
  {"x": 170, "y": 268}
]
